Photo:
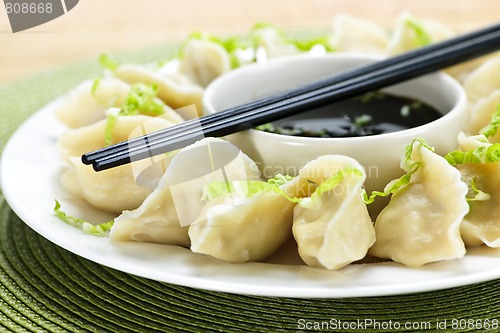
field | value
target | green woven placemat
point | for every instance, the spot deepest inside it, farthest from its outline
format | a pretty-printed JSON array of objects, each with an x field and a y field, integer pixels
[{"x": 46, "y": 288}]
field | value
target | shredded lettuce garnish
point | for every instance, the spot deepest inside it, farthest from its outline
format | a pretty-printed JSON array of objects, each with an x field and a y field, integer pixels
[
  {"x": 235, "y": 45},
  {"x": 492, "y": 128},
  {"x": 95, "y": 85},
  {"x": 306, "y": 44},
  {"x": 423, "y": 37},
  {"x": 231, "y": 44},
  {"x": 107, "y": 63},
  {"x": 478, "y": 194},
  {"x": 88, "y": 228},
  {"x": 408, "y": 165},
  {"x": 479, "y": 155},
  {"x": 258, "y": 28},
  {"x": 140, "y": 100},
  {"x": 362, "y": 121},
  {"x": 112, "y": 117},
  {"x": 247, "y": 188},
  {"x": 265, "y": 25},
  {"x": 333, "y": 181},
  {"x": 302, "y": 43},
  {"x": 406, "y": 161},
  {"x": 392, "y": 186},
  {"x": 243, "y": 49},
  {"x": 252, "y": 188},
  {"x": 280, "y": 179},
  {"x": 482, "y": 154},
  {"x": 260, "y": 32}
]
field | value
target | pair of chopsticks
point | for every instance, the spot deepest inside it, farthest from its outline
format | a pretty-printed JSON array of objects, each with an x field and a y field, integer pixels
[{"x": 341, "y": 86}]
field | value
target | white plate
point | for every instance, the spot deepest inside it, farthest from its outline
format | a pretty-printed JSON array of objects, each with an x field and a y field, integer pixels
[{"x": 29, "y": 176}]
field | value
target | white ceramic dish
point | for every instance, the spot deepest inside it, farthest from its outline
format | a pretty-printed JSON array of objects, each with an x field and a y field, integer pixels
[{"x": 29, "y": 178}]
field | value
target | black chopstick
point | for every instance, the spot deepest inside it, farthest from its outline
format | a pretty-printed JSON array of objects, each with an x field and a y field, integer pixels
[
  {"x": 204, "y": 121},
  {"x": 386, "y": 73}
]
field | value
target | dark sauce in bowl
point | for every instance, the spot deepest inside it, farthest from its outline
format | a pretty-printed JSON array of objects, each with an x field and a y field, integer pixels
[{"x": 370, "y": 114}]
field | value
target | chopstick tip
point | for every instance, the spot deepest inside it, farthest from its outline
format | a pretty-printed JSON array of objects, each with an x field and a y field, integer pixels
[{"x": 86, "y": 160}]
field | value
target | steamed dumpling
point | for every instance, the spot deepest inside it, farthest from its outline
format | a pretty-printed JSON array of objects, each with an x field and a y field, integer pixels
[
  {"x": 235, "y": 228},
  {"x": 154, "y": 221},
  {"x": 207, "y": 161},
  {"x": 421, "y": 223},
  {"x": 482, "y": 224},
  {"x": 76, "y": 142},
  {"x": 411, "y": 33},
  {"x": 242, "y": 229},
  {"x": 467, "y": 143},
  {"x": 438, "y": 31},
  {"x": 270, "y": 43},
  {"x": 356, "y": 35},
  {"x": 116, "y": 189},
  {"x": 333, "y": 228},
  {"x": 203, "y": 61},
  {"x": 112, "y": 190},
  {"x": 481, "y": 113},
  {"x": 483, "y": 81},
  {"x": 88, "y": 102},
  {"x": 463, "y": 70},
  {"x": 175, "y": 203},
  {"x": 175, "y": 89}
]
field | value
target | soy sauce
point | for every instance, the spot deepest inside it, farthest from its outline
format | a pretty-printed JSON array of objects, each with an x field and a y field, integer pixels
[{"x": 370, "y": 114}]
